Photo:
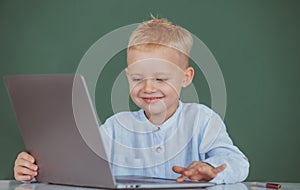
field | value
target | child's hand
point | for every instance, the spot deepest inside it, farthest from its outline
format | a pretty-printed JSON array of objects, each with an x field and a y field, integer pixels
[
  {"x": 198, "y": 171},
  {"x": 25, "y": 169}
]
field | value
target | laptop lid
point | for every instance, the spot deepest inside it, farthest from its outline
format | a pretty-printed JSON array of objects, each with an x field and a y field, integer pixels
[
  {"x": 43, "y": 105},
  {"x": 60, "y": 129}
]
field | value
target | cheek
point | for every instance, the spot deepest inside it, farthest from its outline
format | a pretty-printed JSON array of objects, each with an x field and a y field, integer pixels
[
  {"x": 173, "y": 87},
  {"x": 134, "y": 89}
]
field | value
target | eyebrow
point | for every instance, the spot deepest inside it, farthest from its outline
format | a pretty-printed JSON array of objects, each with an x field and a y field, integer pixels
[{"x": 160, "y": 73}]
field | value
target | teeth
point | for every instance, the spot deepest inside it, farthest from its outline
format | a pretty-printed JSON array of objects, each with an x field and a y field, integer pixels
[{"x": 152, "y": 98}]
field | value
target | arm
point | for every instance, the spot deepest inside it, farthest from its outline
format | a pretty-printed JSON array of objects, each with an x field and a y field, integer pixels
[
  {"x": 217, "y": 148},
  {"x": 221, "y": 161}
]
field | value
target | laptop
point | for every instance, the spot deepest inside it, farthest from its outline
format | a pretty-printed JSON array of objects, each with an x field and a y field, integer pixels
[{"x": 60, "y": 129}]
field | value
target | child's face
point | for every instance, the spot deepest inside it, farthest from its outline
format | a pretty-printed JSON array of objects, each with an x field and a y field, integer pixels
[{"x": 155, "y": 80}]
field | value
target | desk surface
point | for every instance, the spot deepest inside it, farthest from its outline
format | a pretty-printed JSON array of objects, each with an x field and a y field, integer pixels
[{"x": 14, "y": 185}]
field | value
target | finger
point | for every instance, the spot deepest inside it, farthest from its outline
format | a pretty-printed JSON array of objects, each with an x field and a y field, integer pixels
[
  {"x": 220, "y": 168},
  {"x": 190, "y": 171},
  {"x": 209, "y": 173},
  {"x": 23, "y": 177},
  {"x": 25, "y": 163},
  {"x": 178, "y": 169},
  {"x": 192, "y": 174},
  {"x": 181, "y": 178},
  {"x": 26, "y": 156},
  {"x": 25, "y": 171},
  {"x": 185, "y": 172}
]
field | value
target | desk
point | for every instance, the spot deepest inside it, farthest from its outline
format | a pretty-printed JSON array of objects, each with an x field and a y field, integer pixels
[{"x": 14, "y": 185}]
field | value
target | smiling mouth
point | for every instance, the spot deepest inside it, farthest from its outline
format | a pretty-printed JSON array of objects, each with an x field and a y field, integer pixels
[{"x": 151, "y": 99}]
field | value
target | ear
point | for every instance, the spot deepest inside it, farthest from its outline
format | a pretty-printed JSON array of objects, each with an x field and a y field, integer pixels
[
  {"x": 127, "y": 74},
  {"x": 188, "y": 76},
  {"x": 126, "y": 71}
]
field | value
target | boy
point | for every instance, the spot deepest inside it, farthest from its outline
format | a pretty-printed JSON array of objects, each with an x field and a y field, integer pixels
[{"x": 165, "y": 135}]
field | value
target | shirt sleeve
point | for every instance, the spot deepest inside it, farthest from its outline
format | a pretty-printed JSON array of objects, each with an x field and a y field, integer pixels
[
  {"x": 217, "y": 148},
  {"x": 106, "y": 132}
]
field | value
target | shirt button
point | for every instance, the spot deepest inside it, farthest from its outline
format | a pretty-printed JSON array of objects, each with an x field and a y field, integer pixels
[{"x": 159, "y": 149}]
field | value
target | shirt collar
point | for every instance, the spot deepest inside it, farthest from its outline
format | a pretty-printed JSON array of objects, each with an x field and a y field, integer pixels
[{"x": 167, "y": 124}]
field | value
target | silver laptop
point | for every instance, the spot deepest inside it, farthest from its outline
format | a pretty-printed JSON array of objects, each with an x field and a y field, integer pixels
[{"x": 48, "y": 119}]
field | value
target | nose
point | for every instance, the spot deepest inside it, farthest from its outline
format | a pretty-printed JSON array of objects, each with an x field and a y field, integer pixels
[{"x": 149, "y": 86}]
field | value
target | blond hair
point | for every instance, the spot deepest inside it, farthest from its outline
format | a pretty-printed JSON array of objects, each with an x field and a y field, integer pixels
[{"x": 156, "y": 33}]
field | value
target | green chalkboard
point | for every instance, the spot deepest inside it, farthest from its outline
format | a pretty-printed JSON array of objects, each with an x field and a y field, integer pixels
[{"x": 256, "y": 44}]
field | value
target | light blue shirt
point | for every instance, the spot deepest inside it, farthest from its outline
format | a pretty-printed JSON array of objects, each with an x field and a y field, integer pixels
[{"x": 194, "y": 132}]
